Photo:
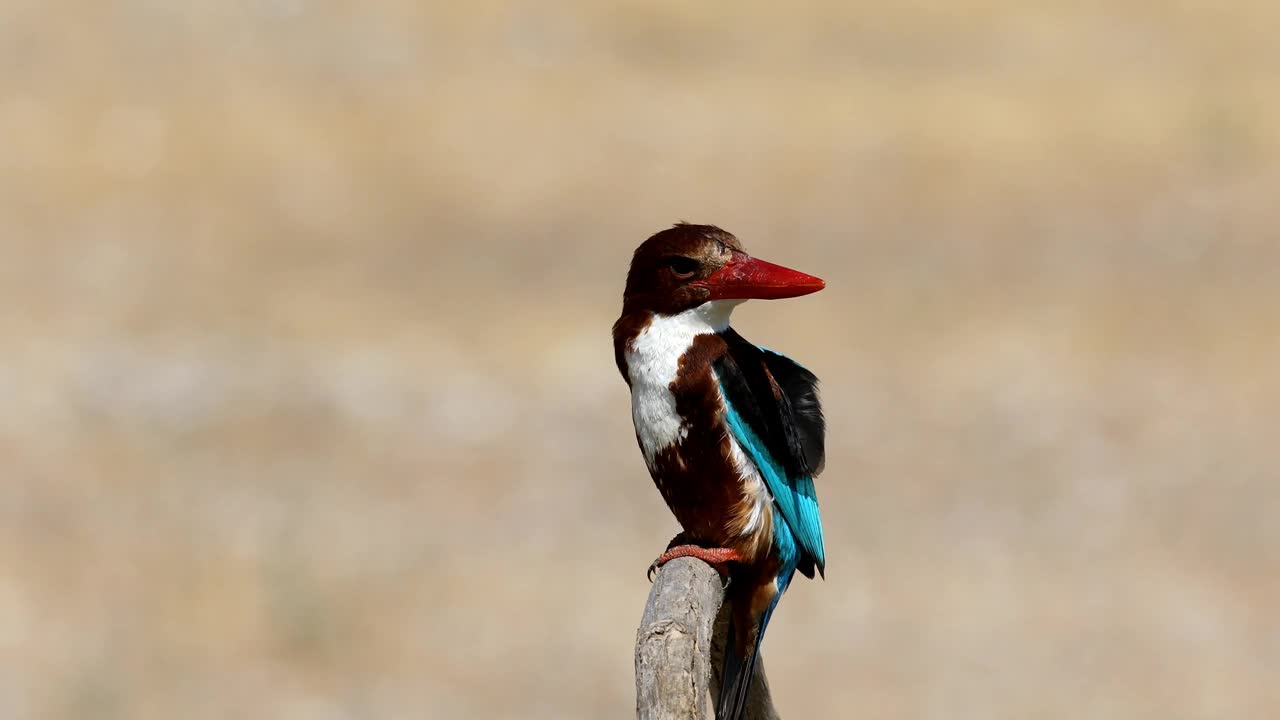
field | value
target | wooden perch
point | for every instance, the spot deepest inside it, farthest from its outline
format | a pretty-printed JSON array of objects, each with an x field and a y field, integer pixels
[{"x": 680, "y": 647}]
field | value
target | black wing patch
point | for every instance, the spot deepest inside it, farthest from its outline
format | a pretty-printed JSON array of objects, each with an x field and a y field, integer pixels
[
  {"x": 779, "y": 400},
  {"x": 800, "y": 393}
]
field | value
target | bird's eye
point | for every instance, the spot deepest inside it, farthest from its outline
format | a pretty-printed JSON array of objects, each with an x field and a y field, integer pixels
[{"x": 682, "y": 267}]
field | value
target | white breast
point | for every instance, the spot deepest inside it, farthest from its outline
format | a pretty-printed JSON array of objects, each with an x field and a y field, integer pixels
[{"x": 653, "y": 358}]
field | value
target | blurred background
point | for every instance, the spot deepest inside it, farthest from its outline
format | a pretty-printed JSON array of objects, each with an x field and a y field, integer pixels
[{"x": 307, "y": 398}]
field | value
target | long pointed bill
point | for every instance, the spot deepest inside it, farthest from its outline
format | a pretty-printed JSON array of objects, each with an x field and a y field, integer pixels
[{"x": 746, "y": 278}]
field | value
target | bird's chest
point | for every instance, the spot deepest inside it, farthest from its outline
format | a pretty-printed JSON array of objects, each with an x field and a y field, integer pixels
[
  {"x": 653, "y": 367},
  {"x": 658, "y": 423},
  {"x": 678, "y": 411}
]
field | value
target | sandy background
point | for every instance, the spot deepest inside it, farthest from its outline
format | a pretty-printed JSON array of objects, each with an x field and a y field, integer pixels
[{"x": 307, "y": 400}]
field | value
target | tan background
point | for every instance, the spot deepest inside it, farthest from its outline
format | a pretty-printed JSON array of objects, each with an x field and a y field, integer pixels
[{"x": 307, "y": 402}]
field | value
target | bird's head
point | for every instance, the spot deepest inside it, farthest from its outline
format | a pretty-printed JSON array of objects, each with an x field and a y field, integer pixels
[{"x": 685, "y": 266}]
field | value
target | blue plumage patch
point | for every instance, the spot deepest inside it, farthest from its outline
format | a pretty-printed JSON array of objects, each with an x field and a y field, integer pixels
[{"x": 795, "y": 498}]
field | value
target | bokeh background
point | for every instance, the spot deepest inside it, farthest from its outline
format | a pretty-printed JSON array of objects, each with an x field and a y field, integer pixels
[{"x": 307, "y": 399}]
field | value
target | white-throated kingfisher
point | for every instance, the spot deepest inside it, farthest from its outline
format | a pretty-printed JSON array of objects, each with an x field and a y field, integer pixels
[{"x": 733, "y": 434}]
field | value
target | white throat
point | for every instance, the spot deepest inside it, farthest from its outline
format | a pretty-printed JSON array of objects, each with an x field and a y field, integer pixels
[{"x": 653, "y": 359}]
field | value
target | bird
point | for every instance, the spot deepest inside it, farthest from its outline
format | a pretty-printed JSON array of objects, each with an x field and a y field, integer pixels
[{"x": 732, "y": 434}]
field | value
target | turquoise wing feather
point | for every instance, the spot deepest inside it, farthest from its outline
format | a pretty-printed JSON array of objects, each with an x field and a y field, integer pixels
[{"x": 795, "y": 497}]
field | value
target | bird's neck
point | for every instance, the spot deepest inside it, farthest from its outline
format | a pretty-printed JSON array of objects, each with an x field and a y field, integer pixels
[
  {"x": 709, "y": 317},
  {"x": 649, "y": 345}
]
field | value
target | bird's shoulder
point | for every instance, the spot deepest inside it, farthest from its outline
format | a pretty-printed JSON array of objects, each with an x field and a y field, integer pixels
[{"x": 778, "y": 399}]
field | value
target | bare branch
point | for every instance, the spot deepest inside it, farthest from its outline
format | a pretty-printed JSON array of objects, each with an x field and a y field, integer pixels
[{"x": 680, "y": 645}]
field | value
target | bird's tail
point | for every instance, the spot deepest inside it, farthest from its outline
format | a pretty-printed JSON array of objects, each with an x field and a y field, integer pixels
[{"x": 742, "y": 647}]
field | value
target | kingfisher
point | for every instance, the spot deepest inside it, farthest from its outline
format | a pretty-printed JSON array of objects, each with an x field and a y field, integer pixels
[{"x": 732, "y": 433}]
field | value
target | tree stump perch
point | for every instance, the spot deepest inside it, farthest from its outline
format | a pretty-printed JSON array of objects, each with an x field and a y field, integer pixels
[{"x": 680, "y": 647}]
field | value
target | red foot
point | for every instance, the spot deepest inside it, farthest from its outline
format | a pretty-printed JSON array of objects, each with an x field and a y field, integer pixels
[{"x": 717, "y": 558}]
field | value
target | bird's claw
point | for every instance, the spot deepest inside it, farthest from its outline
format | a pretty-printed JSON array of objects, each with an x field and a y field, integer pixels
[{"x": 718, "y": 558}]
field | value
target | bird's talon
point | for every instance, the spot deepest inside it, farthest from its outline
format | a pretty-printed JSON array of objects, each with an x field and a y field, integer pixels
[{"x": 718, "y": 558}]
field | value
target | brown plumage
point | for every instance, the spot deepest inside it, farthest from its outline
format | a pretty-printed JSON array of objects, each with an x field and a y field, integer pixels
[{"x": 674, "y": 348}]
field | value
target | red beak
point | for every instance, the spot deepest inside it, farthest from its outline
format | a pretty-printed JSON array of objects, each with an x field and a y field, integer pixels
[{"x": 746, "y": 278}]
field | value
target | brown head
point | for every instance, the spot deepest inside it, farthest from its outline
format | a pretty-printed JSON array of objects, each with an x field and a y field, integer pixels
[{"x": 685, "y": 266}]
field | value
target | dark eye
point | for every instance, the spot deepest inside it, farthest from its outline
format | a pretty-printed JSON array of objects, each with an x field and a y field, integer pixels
[{"x": 682, "y": 267}]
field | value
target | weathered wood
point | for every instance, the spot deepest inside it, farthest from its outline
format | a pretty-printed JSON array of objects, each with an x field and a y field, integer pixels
[{"x": 680, "y": 645}]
